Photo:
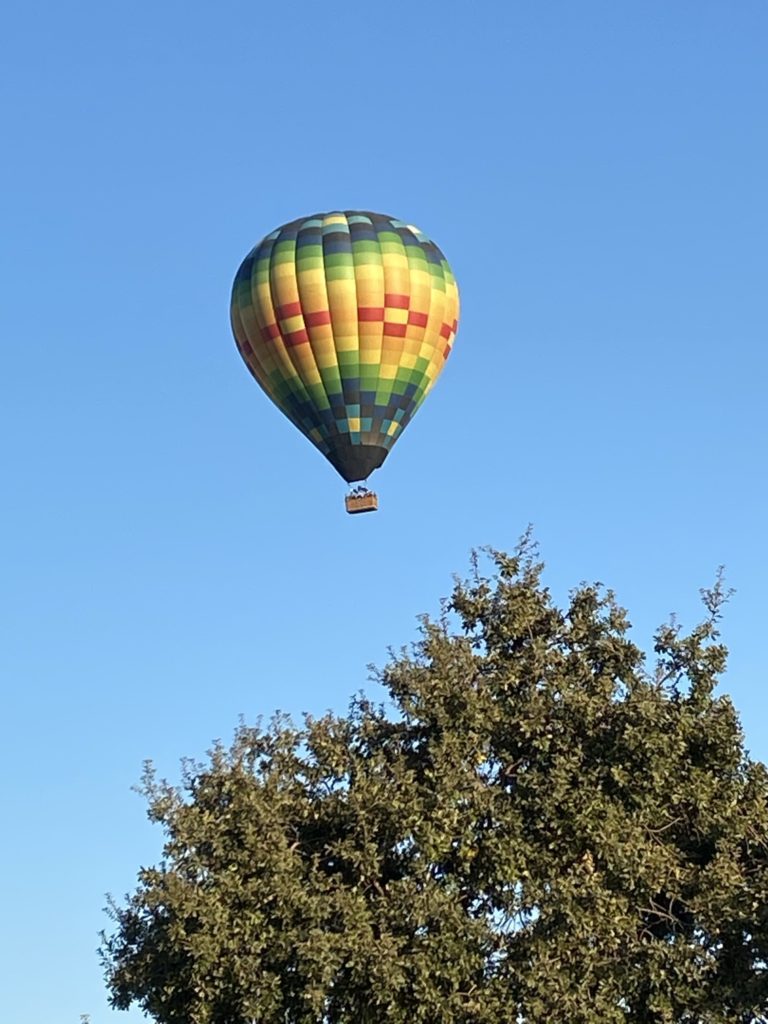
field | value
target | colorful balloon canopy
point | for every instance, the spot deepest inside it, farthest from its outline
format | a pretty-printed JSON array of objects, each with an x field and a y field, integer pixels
[{"x": 346, "y": 320}]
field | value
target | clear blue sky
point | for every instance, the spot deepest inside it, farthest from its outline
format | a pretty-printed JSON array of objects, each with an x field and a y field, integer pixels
[{"x": 173, "y": 552}]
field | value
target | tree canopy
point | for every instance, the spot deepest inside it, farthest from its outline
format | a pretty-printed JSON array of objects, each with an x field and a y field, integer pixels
[{"x": 535, "y": 826}]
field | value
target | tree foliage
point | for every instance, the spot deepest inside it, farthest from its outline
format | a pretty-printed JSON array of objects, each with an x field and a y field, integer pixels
[{"x": 534, "y": 828}]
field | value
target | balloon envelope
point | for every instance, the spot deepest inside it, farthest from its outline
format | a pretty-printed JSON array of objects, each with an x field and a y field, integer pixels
[{"x": 346, "y": 321}]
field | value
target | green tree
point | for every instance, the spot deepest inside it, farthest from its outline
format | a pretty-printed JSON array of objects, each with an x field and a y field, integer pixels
[{"x": 534, "y": 828}]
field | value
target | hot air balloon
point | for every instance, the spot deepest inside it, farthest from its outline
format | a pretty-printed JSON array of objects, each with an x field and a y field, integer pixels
[{"x": 346, "y": 321}]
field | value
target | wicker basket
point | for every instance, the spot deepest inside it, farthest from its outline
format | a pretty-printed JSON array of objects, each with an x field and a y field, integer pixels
[{"x": 361, "y": 503}]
